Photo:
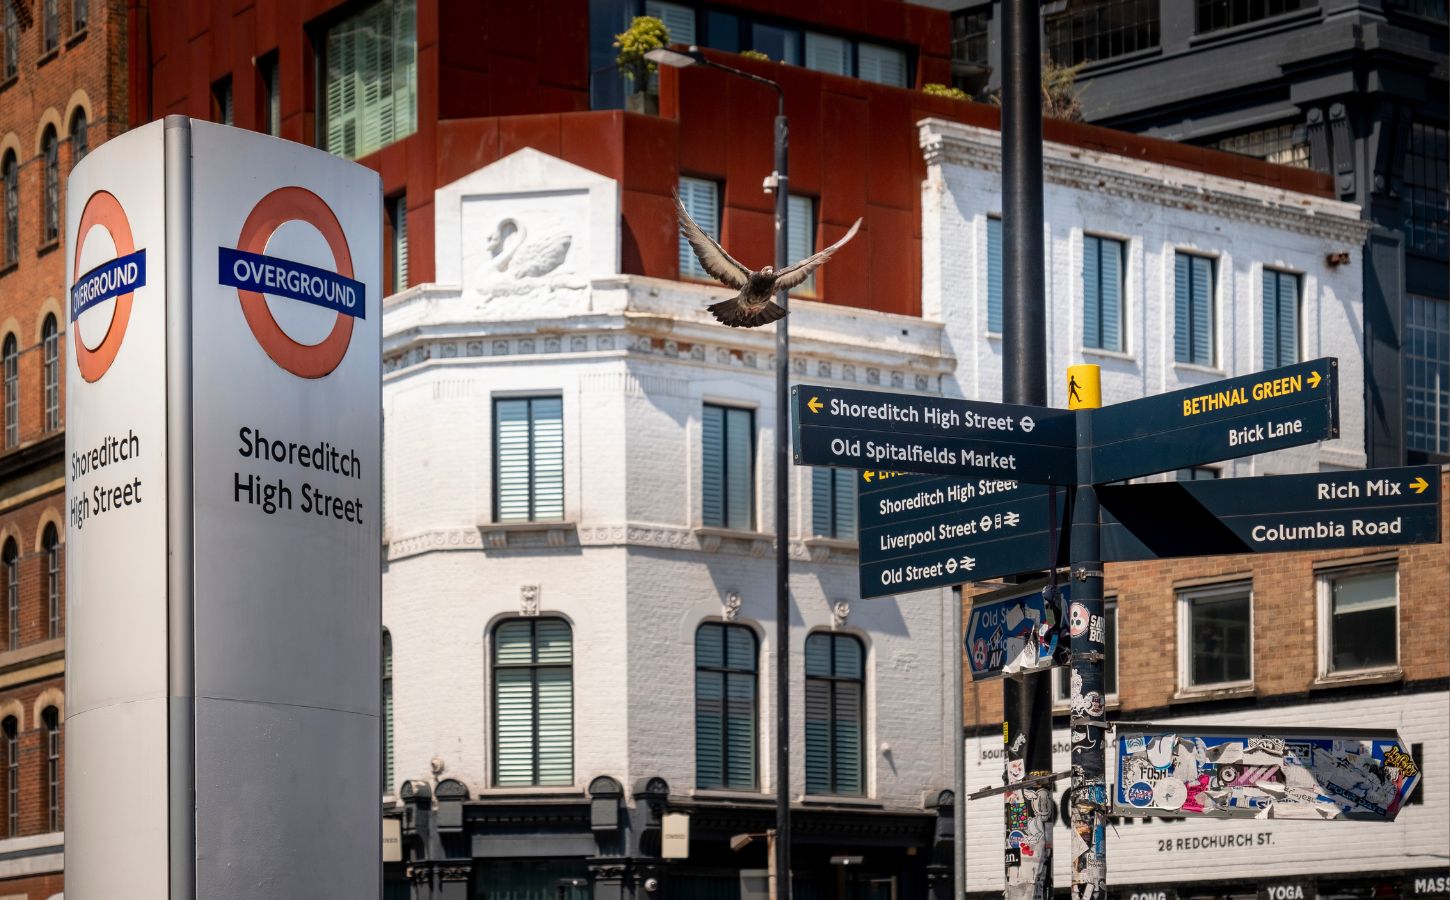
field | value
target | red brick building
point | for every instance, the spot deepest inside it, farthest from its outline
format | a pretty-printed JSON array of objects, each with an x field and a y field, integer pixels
[
  {"x": 62, "y": 92},
  {"x": 1329, "y": 639}
]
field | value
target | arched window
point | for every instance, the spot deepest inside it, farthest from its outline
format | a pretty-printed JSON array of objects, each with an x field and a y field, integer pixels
[
  {"x": 50, "y": 373},
  {"x": 10, "y": 560},
  {"x": 10, "y": 735},
  {"x": 835, "y": 714},
  {"x": 10, "y": 357},
  {"x": 51, "y": 721},
  {"x": 725, "y": 706},
  {"x": 10, "y": 175},
  {"x": 50, "y": 186},
  {"x": 80, "y": 136},
  {"x": 50, "y": 542},
  {"x": 387, "y": 712},
  {"x": 533, "y": 703}
]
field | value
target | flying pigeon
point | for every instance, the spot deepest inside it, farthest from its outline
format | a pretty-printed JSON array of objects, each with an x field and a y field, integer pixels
[{"x": 755, "y": 304}]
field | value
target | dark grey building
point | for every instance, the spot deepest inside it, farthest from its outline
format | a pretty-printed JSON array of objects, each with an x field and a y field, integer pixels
[{"x": 1354, "y": 89}]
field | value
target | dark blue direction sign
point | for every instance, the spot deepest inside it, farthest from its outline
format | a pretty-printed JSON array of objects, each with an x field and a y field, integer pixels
[
  {"x": 929, "y": 532},
  {"x": 1022, "y": 632},
  {"x": 1271, "y": 513},
  {"x": 1282, "y": 407},
  {"x": 933, "y": 435}
]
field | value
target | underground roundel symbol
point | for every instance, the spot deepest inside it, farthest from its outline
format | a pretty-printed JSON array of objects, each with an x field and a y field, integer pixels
[
  {"x": 284, "y": 278},
  {"x": 116, "y": 279}
]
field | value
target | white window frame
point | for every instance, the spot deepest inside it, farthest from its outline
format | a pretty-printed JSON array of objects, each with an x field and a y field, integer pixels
[
  {"x": 1216, "y": 312},
  {"x": 1324, "y": 597},
  {"x": 756, "y": 462},
  {"x": 1185, "y": 600},
  {"x": 1060, "y": 673},
  {"x": 1125, "y": 330}
]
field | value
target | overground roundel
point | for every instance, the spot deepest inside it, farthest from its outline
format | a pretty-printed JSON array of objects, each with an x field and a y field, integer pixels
[
  {"x": 295, "y": 204},
  {"x": 127, "y": 270}
]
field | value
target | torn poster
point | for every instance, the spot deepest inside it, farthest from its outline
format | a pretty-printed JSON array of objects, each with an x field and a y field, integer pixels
[
  {"x": 1233, "y": 773},
  {"x": 1019, "y": 633}
]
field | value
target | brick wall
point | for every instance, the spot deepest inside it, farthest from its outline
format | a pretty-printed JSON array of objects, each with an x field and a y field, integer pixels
[{"x": 84, "y": 72}]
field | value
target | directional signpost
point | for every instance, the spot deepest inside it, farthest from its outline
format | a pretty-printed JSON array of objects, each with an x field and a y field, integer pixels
[
  {"x": 1021, "y": 632},
  {"x": 917, "y": 533},
  {"x": 1271, "y": 514},
  {"x": 932, "y": 435},
  {"x": 957, "y": 490},
  {"x": 1284, "y": 407}
]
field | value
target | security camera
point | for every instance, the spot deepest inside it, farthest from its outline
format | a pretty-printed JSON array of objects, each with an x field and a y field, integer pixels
[{"x": 651, "y": 884}]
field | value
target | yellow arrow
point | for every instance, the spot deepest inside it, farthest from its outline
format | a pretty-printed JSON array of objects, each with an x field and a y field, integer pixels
[
  {"x": 1314, "y": 379},
  {"x": 1419, "y": 485},
  {"x": 814, "y": 404},
  {"x": 868, "y": 475}
]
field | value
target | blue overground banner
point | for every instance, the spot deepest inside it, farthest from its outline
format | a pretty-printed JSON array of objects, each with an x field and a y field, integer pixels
[
  {"x": 108, "y": 280},
  {"x": 294, "y": 280}
]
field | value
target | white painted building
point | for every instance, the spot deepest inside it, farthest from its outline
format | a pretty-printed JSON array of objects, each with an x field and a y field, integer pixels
[
  {"x": 555, "y": 438},
  {"x": 1141, "y": 218},
  {"x": 534, "y": 308}
]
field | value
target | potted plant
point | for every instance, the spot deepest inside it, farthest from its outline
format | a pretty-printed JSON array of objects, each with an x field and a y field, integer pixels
[{"x": 645, "y": 33}]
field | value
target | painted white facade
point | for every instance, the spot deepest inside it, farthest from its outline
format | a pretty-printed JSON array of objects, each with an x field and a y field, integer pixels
[
  {"x": 630, "y": 566},
  {"x": 1150, "y": 852},
  {"x": 1157, "y": 210},
  {"x": 533, "y": 304}
]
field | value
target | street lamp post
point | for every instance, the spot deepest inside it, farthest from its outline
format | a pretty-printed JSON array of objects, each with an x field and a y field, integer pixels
[{"x": 780, "y": 183}]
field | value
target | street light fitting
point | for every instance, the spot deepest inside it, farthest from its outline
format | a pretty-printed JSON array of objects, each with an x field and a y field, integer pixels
[{"x": 675, "y": 59}]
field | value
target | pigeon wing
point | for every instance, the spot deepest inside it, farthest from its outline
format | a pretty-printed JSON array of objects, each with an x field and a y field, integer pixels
[
  {"x": 794, "y": 274},
  {"x": 711, "y": 255}
]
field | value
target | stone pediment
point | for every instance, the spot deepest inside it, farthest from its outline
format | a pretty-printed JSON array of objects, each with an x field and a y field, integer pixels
[{"x": 525, "y": 218}]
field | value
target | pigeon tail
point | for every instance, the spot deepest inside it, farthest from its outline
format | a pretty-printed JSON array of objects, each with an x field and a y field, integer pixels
[{"x": 735, "y": 314}]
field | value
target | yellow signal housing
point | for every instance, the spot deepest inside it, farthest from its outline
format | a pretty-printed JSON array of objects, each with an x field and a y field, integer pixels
[{"x": 1084, "y": 387}]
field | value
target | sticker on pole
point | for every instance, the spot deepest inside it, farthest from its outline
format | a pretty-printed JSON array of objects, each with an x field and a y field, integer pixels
[
  {"x": 257, "y": 276},
  {"x": 109, "y": 285}
]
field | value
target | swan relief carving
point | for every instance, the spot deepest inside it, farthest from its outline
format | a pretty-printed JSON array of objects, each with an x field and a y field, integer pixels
[{"x": 514, "y": 253}]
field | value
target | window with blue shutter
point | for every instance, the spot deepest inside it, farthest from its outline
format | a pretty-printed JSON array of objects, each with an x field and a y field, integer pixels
[
  {"x": 1193, "y": 312},
  {"x": 533, "y": 703},
  {"x": 1281, "y": 318},
  {"x": 679, "y": 20},
  {"x": 994, "y": 274},
  {"x": 825, "y": 53},
  {"x": 387, "y": 712},
  {"x": 1102, "y": 293},
  {"x": 528, "y": 459},
  {"x": 835, "y": 718},
  {"x": 725, "y": 707},
  {"x": 833, "y": 503},
  {"x": 883, "y": 65},
  {"x": 727, "y": 471},
  {"x": 801, "y": 235},
  {"x": 702, "y": 201}
]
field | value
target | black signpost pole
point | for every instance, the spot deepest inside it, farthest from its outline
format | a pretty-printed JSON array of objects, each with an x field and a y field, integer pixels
[
  {"x": 1087, "y": 630},
  {"x": 782, "y": 520},
  {"x": 1027, "y": 699}
]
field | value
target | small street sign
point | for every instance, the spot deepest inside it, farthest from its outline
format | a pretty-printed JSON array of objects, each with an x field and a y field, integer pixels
[
  {"x": 919, "y": 532},
  {"x": 1024, "y": 632},
  {"x": 933, "y": 435},
  {"x": 1283, "y": 407},
  {"x": 1271, "y": 513},
  {"x": 1225, "y": 772}
]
